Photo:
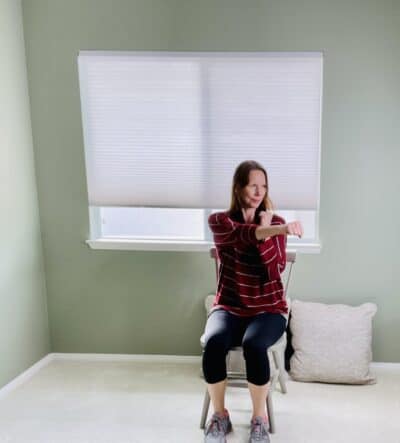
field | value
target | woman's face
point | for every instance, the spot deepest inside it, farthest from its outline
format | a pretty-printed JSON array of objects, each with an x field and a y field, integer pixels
[{"x": 253, "y": 194}]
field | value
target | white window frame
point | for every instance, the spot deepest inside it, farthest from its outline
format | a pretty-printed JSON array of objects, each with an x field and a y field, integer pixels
[{"x": 100, "y": 242}]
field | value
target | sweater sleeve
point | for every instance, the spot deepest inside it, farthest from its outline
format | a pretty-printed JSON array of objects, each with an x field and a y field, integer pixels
[
  {"x": 227, "y": 232},
  {"x": 273, "y": 252}
]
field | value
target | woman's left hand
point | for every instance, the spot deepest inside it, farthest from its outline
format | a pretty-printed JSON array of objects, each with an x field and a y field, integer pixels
[{"x": 266, "y": 217}]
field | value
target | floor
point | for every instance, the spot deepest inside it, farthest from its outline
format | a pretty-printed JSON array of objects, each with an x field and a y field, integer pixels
[{"x": 138, "y": 401}]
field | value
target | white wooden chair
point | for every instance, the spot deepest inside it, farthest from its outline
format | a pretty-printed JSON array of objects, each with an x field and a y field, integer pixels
[{"x": 276, "y": 353}]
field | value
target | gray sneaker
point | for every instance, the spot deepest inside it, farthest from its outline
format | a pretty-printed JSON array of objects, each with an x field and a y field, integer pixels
[
  {"x": 259, "y": 431},
  {"x": 217, "y": 428}
]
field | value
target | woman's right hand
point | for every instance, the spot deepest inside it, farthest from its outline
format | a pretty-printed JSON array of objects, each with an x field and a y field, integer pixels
[
  {"x": 294, "y": 228},
  {"x": 266, "y": 217}
]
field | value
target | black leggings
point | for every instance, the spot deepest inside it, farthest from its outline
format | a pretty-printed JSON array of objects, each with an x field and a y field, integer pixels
[{"x": 255, "y": 334}]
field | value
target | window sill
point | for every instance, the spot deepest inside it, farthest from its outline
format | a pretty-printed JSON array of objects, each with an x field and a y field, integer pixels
[{"x": 182, "y": 245}]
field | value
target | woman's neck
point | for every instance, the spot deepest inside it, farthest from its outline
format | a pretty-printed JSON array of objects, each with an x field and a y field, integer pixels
[{"x": 248, "y": 214}]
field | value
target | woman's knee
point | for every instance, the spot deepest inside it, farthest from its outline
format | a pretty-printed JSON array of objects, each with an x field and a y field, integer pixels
[
  {"x": 254, "y": 347},
  {"x": 214, "y": 358},
  {"x": 216, "y": 343}
]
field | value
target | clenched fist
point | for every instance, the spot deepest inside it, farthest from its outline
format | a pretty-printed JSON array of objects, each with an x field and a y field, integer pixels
[
  {"x": 294, "y": 228},
  {"x": 266, "y": 217}
]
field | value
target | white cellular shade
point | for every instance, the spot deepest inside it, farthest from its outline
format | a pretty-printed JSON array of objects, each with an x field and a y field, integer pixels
[{"x": 168, "y": 129}]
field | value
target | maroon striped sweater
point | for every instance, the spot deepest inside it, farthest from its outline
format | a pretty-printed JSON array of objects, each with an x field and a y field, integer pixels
[{"x": 249, "y": 281}]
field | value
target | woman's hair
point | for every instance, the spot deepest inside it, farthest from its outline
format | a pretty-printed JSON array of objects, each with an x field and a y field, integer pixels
[{"x": 241, "y": 180}]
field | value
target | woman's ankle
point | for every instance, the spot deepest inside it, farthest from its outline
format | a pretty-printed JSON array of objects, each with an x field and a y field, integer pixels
[
  {"x": 222, "y": 413},
  {"x": 263, "y": 416}
]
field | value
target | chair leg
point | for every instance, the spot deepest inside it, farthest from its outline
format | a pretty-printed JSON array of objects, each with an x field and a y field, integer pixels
[
  {"x": 204, "y": 413},
  {"x": 270, "y": 412},
  {"x": 281, "y": 376}
]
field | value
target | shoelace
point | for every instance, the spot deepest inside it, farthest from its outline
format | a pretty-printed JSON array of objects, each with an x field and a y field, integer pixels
[
  {"x": 257, "y": 431},
  {"x": 214, "y": 427}
]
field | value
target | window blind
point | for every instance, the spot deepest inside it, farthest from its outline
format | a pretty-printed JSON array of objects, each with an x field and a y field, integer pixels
[{"x": 167, "y": 129}]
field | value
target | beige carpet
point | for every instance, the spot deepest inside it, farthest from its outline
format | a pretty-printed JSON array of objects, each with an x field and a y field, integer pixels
[{"x": 127, "y": 401}]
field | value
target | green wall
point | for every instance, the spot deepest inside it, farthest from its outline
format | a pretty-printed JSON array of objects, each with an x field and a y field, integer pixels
[
  {"x": 24, "y": 332},
  {"x": 149, "y": 302}
]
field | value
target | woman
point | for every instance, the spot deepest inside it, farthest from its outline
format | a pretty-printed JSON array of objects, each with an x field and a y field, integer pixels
[{"x": 249, "y": 307}]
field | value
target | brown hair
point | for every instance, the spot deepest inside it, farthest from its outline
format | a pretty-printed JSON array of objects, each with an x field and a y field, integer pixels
[{"x": 241, "y": 180}]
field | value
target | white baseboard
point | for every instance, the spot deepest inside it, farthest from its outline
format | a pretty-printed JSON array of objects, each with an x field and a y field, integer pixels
[
  {"x": 383, "y": 364},
  {"x": 177, "y": 359},
  {"x": 26, "y": 375},
  {"x": 127, "y": 357}
]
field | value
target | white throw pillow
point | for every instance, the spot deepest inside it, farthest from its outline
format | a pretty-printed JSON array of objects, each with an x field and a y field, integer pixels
[{"x": 331, "y": 343}]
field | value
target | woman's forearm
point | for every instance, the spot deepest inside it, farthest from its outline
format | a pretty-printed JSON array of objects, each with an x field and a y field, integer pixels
[{"x": 263, "y": 232}]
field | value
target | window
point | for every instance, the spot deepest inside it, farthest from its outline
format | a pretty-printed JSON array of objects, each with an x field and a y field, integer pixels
[{"x": 164, "y": 132}]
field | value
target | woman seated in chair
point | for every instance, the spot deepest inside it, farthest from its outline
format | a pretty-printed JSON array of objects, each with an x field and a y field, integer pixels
[{"x": 249, "y": 307}]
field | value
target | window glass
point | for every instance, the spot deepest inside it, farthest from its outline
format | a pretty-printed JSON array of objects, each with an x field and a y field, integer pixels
[{"x": 180, "y": 223}]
